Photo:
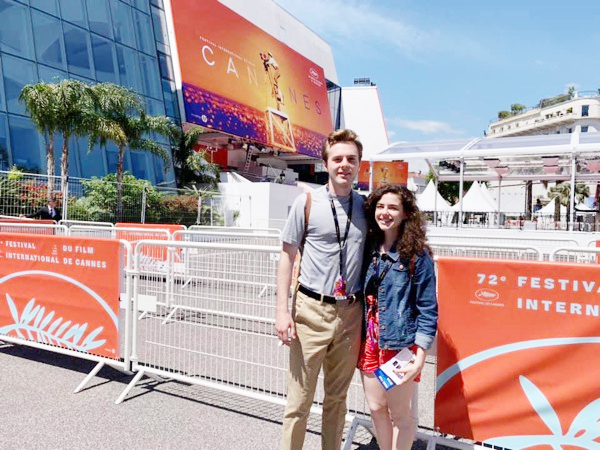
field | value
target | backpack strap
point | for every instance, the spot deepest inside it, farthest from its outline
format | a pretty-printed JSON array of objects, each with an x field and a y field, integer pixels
[{"x": 307, "y": 206}]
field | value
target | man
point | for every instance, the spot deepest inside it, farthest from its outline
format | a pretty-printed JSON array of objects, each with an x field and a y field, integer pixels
[
  {"x": 324, "y": 328},
  {"x": 48, "y": 212}
]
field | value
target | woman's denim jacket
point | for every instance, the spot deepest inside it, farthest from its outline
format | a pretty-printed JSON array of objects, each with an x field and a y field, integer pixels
[{"x": 407, "y": 304}]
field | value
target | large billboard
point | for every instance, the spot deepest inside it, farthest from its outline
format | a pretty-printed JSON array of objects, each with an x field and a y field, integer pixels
[
  {"x": 517, "y": 350},
  {"x": 240, "y": 80},
  {"x": 395, "y": 172}
]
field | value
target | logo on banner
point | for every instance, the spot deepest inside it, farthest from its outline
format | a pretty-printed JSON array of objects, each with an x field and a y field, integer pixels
[{"x": 487, "y": 295}]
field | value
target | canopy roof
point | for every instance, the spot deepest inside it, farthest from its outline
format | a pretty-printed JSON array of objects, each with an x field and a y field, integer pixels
[{"x": 540, "y": 157}]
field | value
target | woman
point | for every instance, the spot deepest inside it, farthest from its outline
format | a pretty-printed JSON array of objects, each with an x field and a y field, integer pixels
[{"x": 400, "y": 310}]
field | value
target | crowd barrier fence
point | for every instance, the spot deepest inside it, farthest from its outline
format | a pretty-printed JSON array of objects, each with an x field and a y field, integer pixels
[
  {"x": 206, "y": 316},
  {"x": 49, "y": 325}
]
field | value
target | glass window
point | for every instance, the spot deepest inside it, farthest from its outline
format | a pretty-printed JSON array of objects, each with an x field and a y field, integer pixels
[
  {"x": 49, "y": 6},
  {"x": 17, "y": 73},
  {"x": 122, "y": 23},
  {"x": 139, "y": 166},
  {"x": 154, "y": 107},
  {"x": 74, "y": 11},
  {"x": 141, "y": 4},
  {"x": 128, "y": 62},
  {"x": 47, "y": 34},
  {"x": 104, "y": 59},
  {"x": 99, "y": 17},
  {"x": 28, "y": 148},
  {"x": 92, "y": 163},
  {"x": 584, "y": 129},
  {"x": 50, "y": 75},
  {"x": 143, "y": 32},
  {"x": 585, "y": 110},
  {"x": 166, "y": 66},
  {"x": 78, "y": 51},
  {"x": 2, "y": 103},
  {"x": 15, "y": 31},
  {"x": 170, "y": 98},
  {"x": 150, "y": 77},
  {"x": 5, "y": 161},
  {"x": 160, "y": 25}
]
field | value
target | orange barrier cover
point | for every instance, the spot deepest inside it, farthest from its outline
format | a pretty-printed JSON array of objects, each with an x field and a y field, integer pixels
[
  {"x": 61, "y": 291},
  {"x": 517, "y": 353},
  {"x": 153, "y": 258}
]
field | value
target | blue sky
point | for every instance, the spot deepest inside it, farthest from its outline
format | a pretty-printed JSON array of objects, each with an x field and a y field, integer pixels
[{"x": 445, "y": 68}]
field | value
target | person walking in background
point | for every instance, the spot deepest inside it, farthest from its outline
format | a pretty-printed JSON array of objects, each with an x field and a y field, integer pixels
[
  {"x": 48, "y": 212},
  {"x": 324, "y": 327},
  {"x": 400, "y": 310}
]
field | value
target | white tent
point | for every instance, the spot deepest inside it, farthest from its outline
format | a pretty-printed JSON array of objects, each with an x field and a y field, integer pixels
[
  {"x": 475, "y": 201},
  {"x": 548, "y": 210},
  {"x": 487, "y": 194},
  {"x": 431, "y": 200}
]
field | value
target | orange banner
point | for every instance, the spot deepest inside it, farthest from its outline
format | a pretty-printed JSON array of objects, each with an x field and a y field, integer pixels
[
  {"x": 153, "y": 258},
  {"x": 241, "y": 80},
  {"x": 517, "y": 346},
  {"x": 383, "y": 173},
  {"x": 61, "y": 291}
]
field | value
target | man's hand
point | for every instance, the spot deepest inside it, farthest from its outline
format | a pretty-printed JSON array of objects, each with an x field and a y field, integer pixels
[
  {"x": 285, "y": 327},
  {"x": 284, "y": 324}
]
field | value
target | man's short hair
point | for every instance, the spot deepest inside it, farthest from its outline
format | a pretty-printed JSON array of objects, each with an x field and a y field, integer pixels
[{"x": 343, "y": 135}]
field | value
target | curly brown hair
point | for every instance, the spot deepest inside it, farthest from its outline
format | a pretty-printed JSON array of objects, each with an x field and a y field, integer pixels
[{"x": 412, "y": 239}]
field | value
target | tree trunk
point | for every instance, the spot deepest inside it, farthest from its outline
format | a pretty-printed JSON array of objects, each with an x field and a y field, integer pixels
[
  {"x": 120, "y": 160},
  {"x": 556, "y": 213},
  {"x": 64, "y": 168},
  {"x": 50, "y": 164},
  {"x": 529, "y": 199}
]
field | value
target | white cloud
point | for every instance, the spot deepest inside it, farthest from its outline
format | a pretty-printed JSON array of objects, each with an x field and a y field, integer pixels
[
  {"x": 363, "y": 23},
  {"x": 426, "y": 126}
]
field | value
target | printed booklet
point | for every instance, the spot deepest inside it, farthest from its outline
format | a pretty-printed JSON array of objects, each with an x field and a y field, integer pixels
[{"x": 386, "y": 375}]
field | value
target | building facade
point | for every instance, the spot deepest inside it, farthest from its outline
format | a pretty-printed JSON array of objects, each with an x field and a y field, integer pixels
[
  {"x": 123, "y": 42},
  {"x": 562, "y": 114}
]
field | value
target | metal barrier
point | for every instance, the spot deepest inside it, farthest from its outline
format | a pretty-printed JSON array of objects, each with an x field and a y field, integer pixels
[
  {"x": 33, "y": 228},
  {"x": 41, "y": 327},
  {"x": 250, "y": 230},
  {"x": 496, "y": 251},
  {"x": 207, "y": 314},
  {"x": 69, "y": 223},
  {"x": 543, "y": 243},
  {"x": 580, "y": 255}
]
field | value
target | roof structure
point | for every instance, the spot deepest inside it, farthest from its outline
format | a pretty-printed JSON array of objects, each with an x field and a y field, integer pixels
[
  {"x": 540, "y": 157},
  {"x": 573, "y": 157}
]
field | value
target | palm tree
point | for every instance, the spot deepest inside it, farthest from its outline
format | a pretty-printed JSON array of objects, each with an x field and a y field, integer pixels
[
  {"x": 562, "y": 195},
  {"x": 120, "y": 118},
  {"x": 40, "y": 103},
  {"x": 191, "y": 166}
]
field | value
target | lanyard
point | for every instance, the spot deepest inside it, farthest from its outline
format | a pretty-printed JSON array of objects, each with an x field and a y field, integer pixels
[{"x": 341, "y": 242}]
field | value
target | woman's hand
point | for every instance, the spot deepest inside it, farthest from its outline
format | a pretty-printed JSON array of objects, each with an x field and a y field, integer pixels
[{"x": 413, "y": 369}]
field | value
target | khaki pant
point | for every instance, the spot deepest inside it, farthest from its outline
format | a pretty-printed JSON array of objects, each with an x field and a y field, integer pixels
[{"x": 329, "y": 337}]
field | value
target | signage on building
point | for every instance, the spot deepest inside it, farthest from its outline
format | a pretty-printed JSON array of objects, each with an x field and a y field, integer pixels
[
  {"x": 517, "y": 346},
  {"x": 238, "y": 79},
  {"x": 395, "y": 172}
]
